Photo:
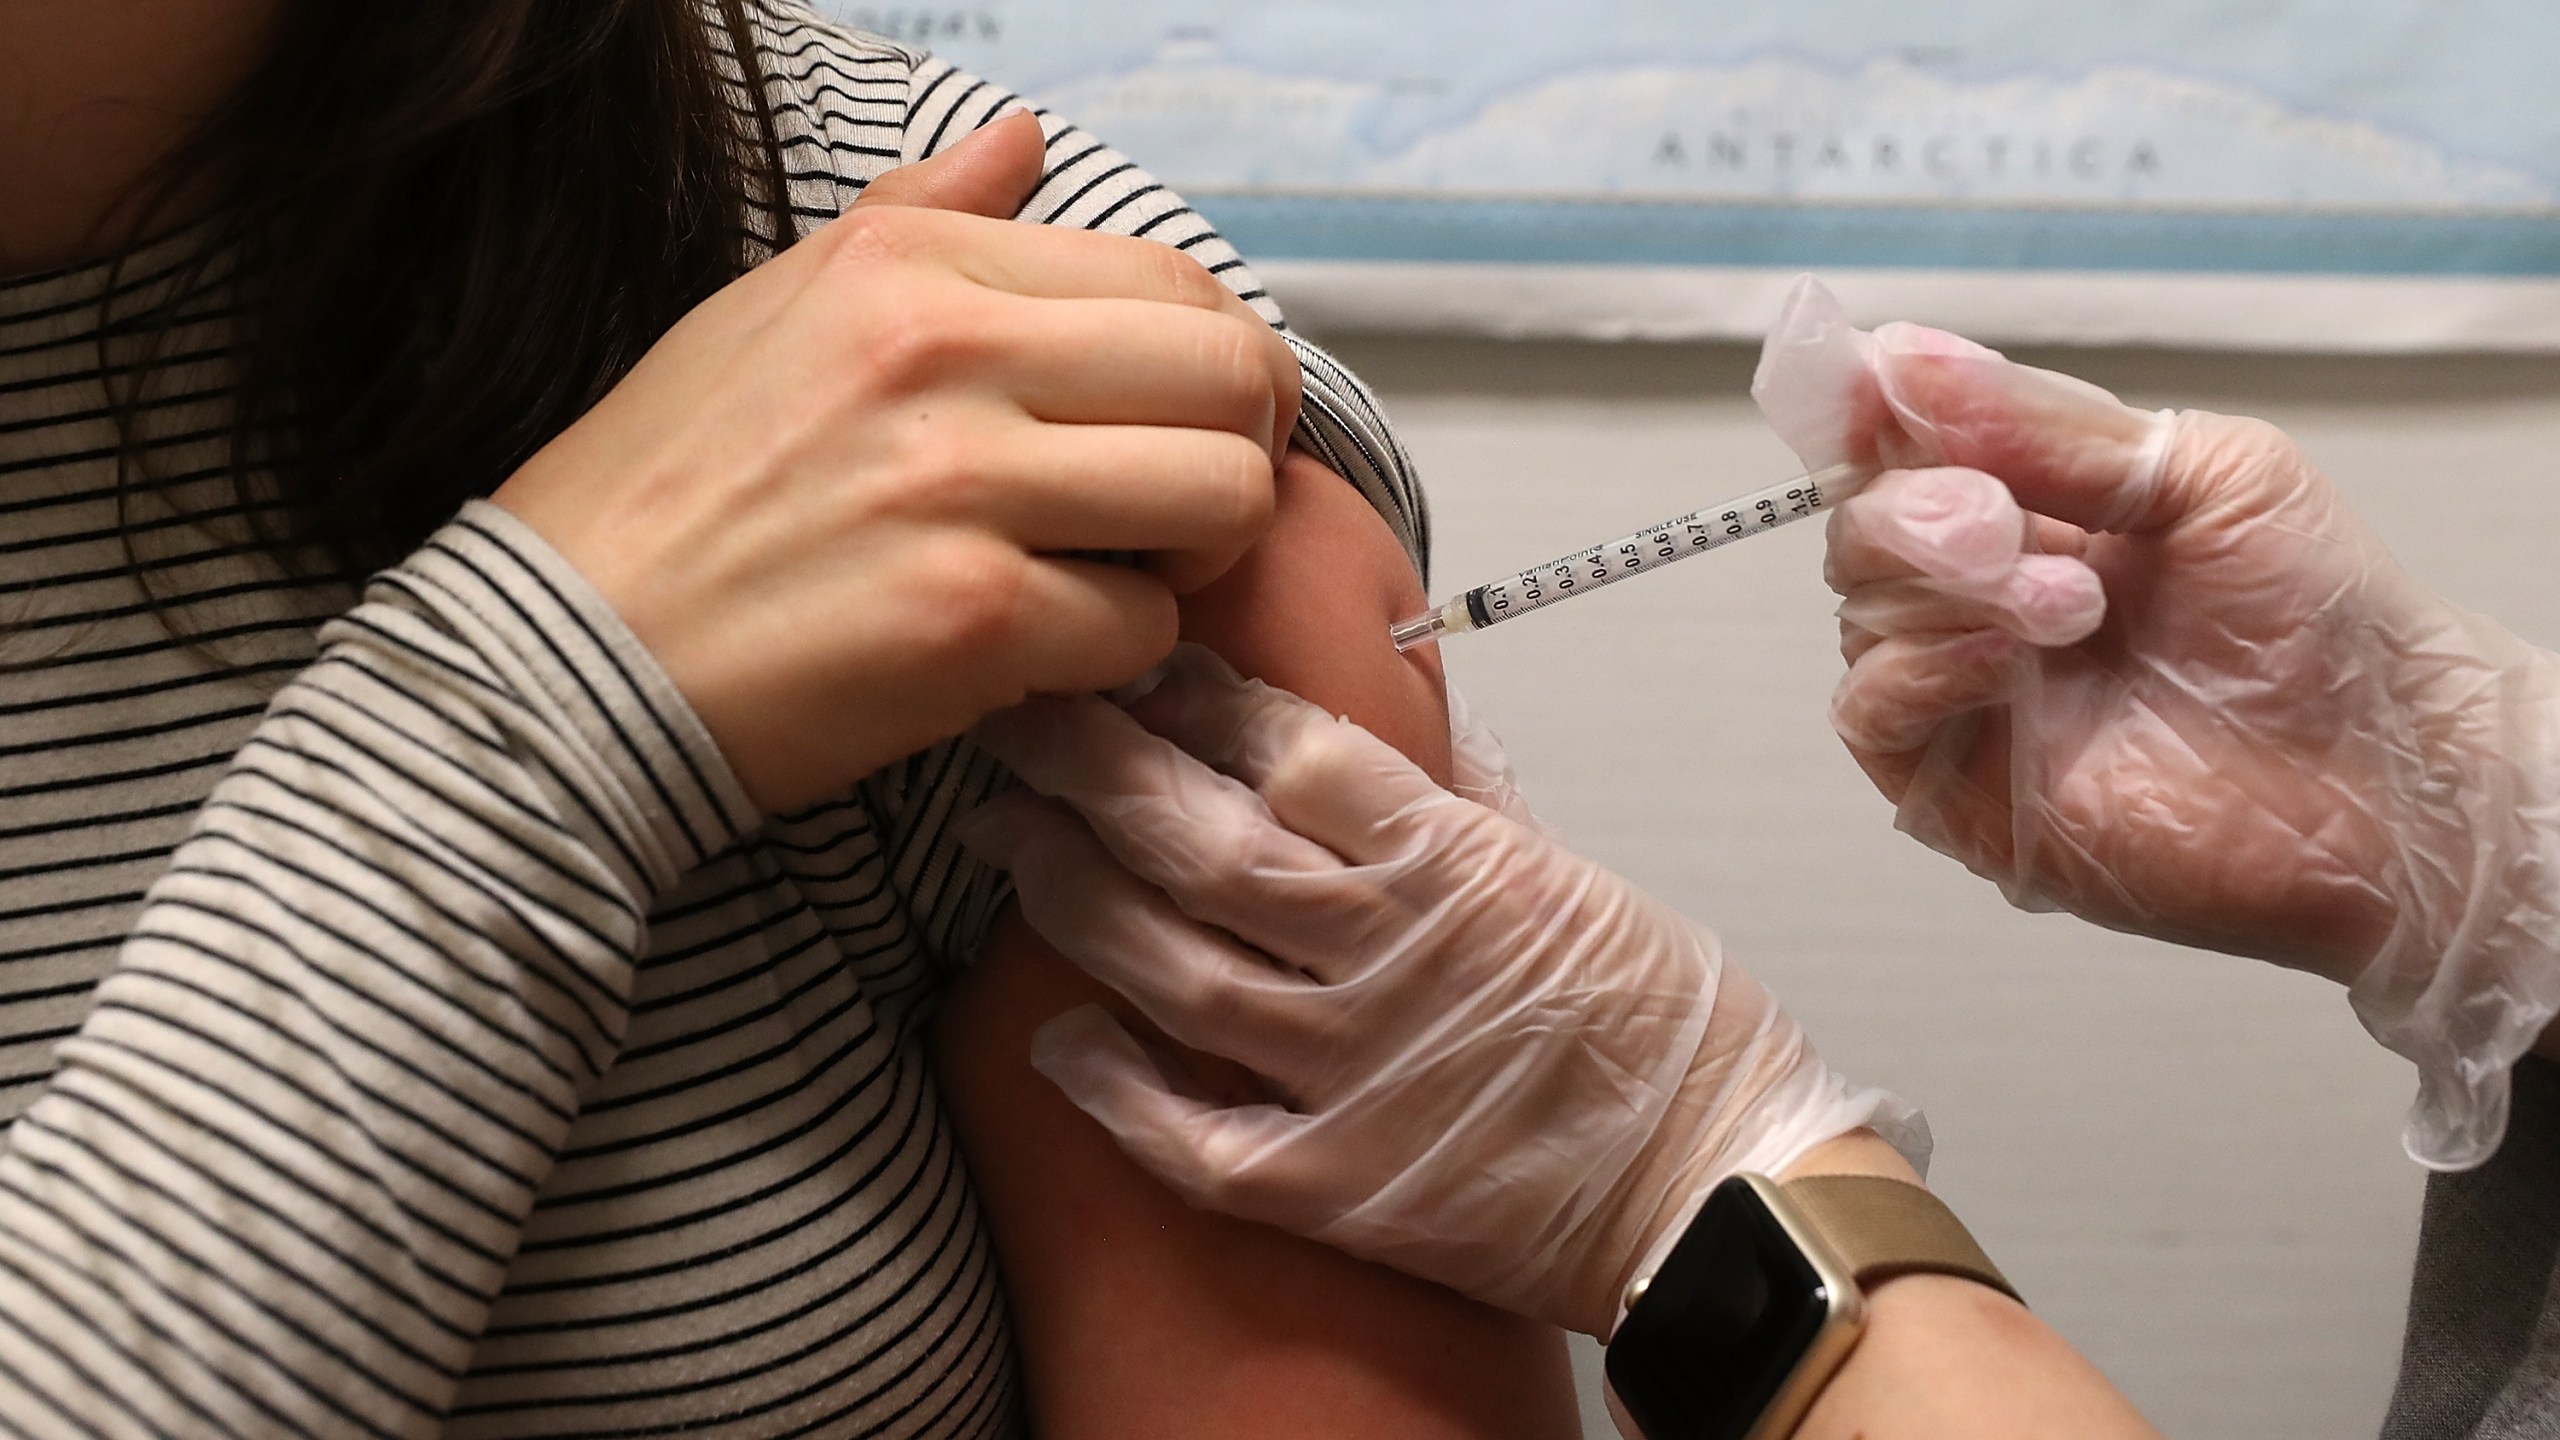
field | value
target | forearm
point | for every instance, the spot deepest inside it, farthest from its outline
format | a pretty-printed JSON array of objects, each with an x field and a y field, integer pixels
[
  {"x": 281, "y": 1170},
  {"x": 1944, "y": 1357}
]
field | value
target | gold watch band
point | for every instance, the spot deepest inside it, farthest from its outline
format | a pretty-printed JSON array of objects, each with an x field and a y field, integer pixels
[{"x": 1881, "y": 1228}]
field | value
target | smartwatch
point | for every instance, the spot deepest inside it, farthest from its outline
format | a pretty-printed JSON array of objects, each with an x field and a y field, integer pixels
[{"x": 1736, "y": 1332}]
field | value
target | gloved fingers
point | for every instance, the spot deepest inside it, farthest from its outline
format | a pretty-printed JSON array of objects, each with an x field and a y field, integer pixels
[
  {"x": 2234, "y": 459},
  {"x": 1856, "y": 640},
  {"x": 1947, "y": 549},
  {"x": 1197, "y": 983},
  {"x": 1196, "y": 1148},
  {"x": 1082, "y": 746},
  {"x": 1904, "y": 687},
  {"x": 1164, "y": 813},
  {"x": 1816, "y": 381},
  {"x": 2065, "y": 447},
  {"x": 1364, "y": 800},
  {"x": 1220, "y": 854},
  {"x": 1945, "y": 523},
  {"x": 1480, "y": 770},
  {"x": 1908, "y": 395},
  {"x": 2041, "y": 599},
  {"x": 1324, "y": 778},
  {"x": 1208, "y": 709}
]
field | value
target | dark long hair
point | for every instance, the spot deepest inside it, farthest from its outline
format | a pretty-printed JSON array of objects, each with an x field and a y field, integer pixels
[{"x": 457, "y": 223}]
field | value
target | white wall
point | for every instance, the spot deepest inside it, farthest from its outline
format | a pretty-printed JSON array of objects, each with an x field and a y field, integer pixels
[{"x": 2189, "y": 1163}]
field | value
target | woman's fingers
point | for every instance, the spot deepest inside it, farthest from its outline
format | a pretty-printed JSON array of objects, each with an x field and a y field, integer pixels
[
  {"x": 989, "y": 172},
  {"x": 1121, "y": 361},
  {"x": 839, "y": 501},
  {"x": 1902, "y": 688},
  {"x": 1072, "y": 425},
  {"x": 1046, "y": 261},
  {"x": 1076, "y": 626},
  {"x": 1145, "y": 285},
  {"x": 1196, "y": 500}
]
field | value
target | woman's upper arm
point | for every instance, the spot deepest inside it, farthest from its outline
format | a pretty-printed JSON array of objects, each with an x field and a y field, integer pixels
[{"x": 1134, "y": 1314}]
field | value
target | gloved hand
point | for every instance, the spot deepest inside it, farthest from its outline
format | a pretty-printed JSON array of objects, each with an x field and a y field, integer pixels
[
  {"x": 2157, "y": 674},
  {"x": 1490, "y": 1062}
]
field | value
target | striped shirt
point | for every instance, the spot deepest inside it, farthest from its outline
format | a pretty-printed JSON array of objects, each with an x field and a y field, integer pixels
[{"x": 407, "y": 1027}]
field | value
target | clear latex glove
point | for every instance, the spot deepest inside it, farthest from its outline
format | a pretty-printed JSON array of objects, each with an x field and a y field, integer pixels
[
  {"x": 1489, "y": 1062},
  {"x": 2156, "y": 673},
  {"x": 1480, "y": 770}
]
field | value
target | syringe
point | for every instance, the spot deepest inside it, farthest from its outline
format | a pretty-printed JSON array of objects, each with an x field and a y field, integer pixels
[{"x": 1650, "y": 548}]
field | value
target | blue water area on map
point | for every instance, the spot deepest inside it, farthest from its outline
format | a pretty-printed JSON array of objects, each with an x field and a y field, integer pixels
[
  {"x": 2474, "y": 77},
  {"x": 1537, "y": 232}
]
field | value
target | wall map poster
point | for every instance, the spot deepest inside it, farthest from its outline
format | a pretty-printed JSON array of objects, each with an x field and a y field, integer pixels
[{"x": 2378, "y": 175}]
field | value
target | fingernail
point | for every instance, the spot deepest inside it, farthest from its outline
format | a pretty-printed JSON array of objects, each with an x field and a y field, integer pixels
[
  {"x": 984, "y": 134},
  {"x": 1009, "y": 112}
]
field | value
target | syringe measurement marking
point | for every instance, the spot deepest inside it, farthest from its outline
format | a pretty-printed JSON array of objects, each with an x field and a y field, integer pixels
[
  {"x": 1612, "y": 561},
  {"x": 1655, "y": 547},
  {"x": 1707, "y": 528}
]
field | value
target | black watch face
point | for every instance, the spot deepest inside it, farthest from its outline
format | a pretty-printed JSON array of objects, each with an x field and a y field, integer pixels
[{"x": 1723, "y": 1323}]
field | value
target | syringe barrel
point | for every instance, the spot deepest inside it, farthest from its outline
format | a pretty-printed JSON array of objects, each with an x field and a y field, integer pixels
[{"x": 1655, "y": 546}]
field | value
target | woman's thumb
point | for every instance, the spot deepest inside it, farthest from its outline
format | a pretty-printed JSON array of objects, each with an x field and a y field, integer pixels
[{"x": 991, "y": 172}]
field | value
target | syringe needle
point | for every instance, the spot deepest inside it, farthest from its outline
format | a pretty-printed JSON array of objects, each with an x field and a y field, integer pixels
[{"x": 1651, "y": 548}]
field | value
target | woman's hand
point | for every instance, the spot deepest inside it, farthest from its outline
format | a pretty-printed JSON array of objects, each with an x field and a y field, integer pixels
[
  {"x": 2157, "y": 673},
  {"x": 839, "y": 500},
  {"x": 1489, "y": 1062}
]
